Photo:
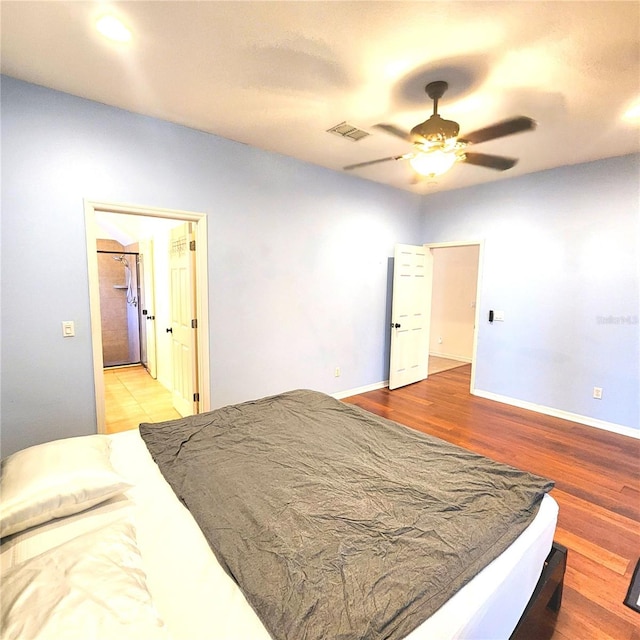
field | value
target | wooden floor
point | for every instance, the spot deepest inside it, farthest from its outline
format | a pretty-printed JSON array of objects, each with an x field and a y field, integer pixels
[
  {"x": 132, "y": 396},
  {"x": 597, "y": 476}
]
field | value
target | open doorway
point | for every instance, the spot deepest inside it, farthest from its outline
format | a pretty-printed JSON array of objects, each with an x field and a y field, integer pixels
[
  {"x": 453, "y": 305},
  {"x": 149, "y": 229}
]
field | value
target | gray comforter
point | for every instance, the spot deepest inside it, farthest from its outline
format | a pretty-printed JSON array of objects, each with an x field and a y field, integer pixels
[{"x": 335, "y": 523}]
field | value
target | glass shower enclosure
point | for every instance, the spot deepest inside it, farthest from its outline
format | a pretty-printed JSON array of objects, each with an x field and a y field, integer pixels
[{"x": 119, "y": 307}]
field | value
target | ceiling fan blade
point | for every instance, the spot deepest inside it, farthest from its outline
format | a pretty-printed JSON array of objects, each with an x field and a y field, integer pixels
[
  {"x": 499, "y": 130},
  {"x": 406, "y": 156},
  {"x": 500, "y": 163},
  {"x": 394, "y": 131}
]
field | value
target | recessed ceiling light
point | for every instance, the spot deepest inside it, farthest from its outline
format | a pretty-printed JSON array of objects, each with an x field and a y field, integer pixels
[{"x": 112, "y": 28}]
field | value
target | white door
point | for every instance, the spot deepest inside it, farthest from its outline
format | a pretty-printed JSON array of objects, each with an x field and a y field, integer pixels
[
  {"x": 410, "y": 315},
  {"x": 183, "y": 320},
  {"x": 147, "y": 308}
]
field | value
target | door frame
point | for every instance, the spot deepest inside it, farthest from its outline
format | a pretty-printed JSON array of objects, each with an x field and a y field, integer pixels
[
  {"x": 145, "y": 265},
  {"x": 476, "y": 319},
  {"x": 202, "y": 294}
]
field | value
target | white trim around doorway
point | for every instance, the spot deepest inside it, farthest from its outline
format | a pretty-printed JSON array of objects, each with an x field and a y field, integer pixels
[{"x": 202, "y": 295}]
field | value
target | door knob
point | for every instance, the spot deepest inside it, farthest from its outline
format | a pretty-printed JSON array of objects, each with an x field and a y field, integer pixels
[
  {"x": 169, "y": 330},
  {"x": 395, "y": 325}
]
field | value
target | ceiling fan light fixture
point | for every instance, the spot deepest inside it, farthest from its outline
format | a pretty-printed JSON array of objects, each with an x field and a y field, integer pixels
[
  {"x": 436, "y": 146},
  {"x": 433, "y": 163}
]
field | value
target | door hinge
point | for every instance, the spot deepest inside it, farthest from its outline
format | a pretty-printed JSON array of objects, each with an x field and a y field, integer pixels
[
  {"x": 192, "y": 245},
  {"x": 194, "y": 323},
  {"x": 196, "y": 397}
]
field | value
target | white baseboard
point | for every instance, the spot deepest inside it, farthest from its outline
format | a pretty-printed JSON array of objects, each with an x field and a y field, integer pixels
[
  {"x": 558, "y": 413},
  {"x": 354, "y": 392},
  {"x": 522, "y": 404},
  {"x": 450, "y": 356}
]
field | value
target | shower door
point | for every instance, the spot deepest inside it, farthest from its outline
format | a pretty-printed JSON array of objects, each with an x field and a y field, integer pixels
[{"x": 117, "y": 271}]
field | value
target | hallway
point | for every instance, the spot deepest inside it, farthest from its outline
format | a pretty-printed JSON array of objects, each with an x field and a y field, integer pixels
[{"x": 132, "y": 396}]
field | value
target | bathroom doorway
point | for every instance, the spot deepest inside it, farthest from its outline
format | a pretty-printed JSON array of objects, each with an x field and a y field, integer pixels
[
  {"x": 120, "y": 293},
  {"x": 145, "y": 230}
]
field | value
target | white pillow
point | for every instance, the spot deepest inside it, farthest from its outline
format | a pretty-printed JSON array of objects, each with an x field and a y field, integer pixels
[
  {"x": 56, "y": 479},
  {"x": 93, "y": 586}
]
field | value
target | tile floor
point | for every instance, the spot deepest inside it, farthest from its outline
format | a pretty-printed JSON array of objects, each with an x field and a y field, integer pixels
[{"x": 132, "y": 396}]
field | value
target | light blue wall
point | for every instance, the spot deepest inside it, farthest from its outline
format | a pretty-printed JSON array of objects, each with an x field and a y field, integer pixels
[
  {"x": 298, "y": 257},
  {"x": 299, "y": 265},
  {"x": 561, "y": 259}
]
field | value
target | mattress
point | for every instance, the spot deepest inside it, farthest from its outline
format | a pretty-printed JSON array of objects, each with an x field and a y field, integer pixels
[{"x": 197, "y": 599}]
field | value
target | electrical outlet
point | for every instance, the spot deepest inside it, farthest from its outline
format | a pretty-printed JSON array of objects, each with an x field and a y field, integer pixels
[
  {"x": 440, "y": 340},
  {"x": 597, "y": 393},
  {"x": 336, "y": 373}
]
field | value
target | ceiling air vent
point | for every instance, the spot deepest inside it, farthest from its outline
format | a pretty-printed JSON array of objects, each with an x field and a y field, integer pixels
[{"x": 345, "y": 130}]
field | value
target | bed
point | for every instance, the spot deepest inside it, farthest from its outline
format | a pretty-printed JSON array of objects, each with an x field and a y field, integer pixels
[{"x": 150, "y": 569}]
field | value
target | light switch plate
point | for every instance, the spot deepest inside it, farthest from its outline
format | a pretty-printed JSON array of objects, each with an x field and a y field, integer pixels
[{"x": 68, "y": 329}]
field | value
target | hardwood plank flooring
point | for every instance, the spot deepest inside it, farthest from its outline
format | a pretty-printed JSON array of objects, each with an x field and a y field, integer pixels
[{"x": 597, "y": 476}]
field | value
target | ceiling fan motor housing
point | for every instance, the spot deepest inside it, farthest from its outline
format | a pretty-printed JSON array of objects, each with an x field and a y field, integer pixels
[{"x": 435, "y": 130}]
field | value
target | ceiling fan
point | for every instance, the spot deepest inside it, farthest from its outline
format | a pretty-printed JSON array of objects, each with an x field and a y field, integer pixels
[{"x": 437, "y": 145}]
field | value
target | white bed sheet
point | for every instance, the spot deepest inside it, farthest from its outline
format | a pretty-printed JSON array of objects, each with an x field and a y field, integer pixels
[{"x": 198, "y": 600}]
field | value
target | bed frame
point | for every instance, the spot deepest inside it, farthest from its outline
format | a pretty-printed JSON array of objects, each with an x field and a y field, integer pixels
[{"x": 538, "y": 620}]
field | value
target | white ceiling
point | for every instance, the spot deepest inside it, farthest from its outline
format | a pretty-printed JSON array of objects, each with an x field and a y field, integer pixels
[
  {"x": 128, "y": 229},
  {"x": 277, "y": 75}
]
